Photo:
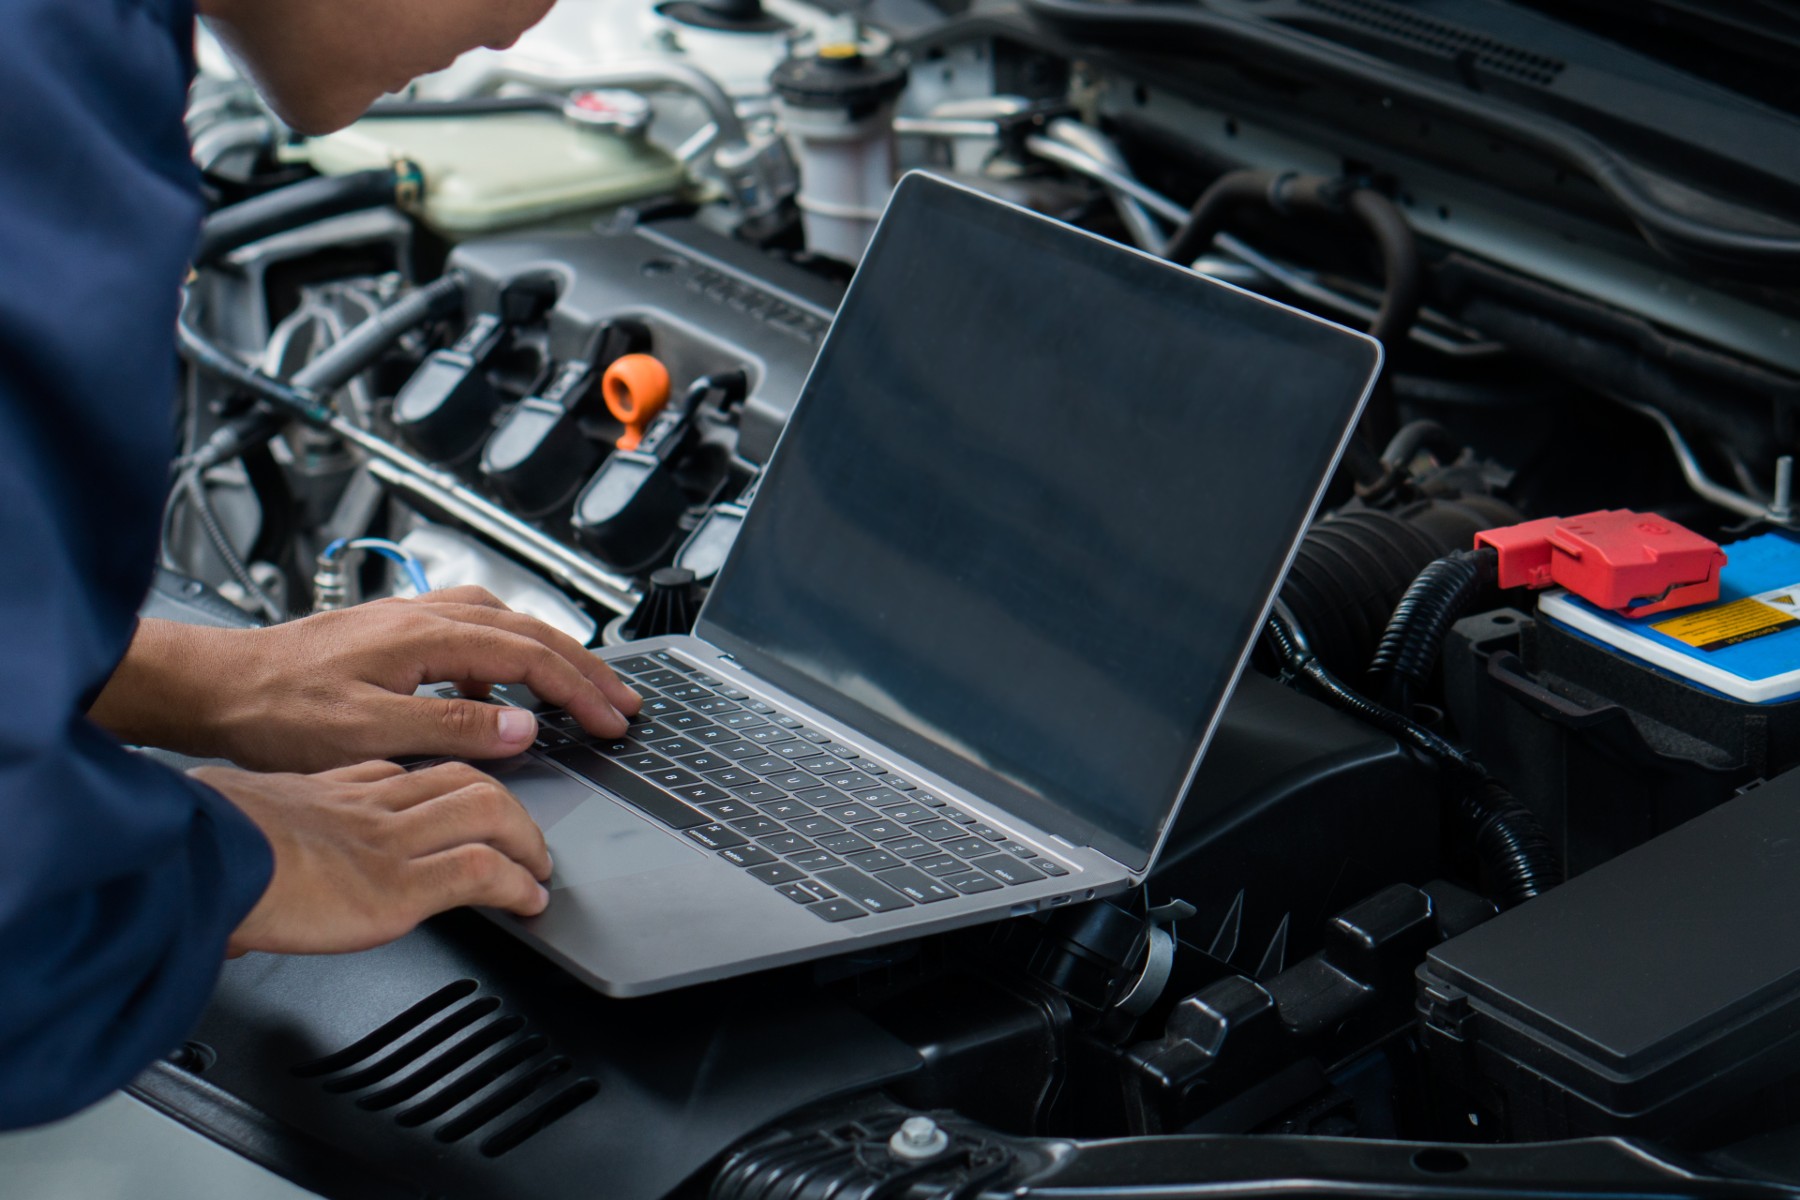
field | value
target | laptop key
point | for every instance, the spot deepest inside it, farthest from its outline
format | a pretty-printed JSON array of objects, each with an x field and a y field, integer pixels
[
  {"x": 646, "y": 761},
  {"x": 686, "y": 722},
  {"x": 850, "y": 781},
  {"x": 818, "y": 797},
  {"x": 806, "y": 891},
  {"x": 757, "y": 826},
  {"x": 941, "y": 864},
  {"x": 777, "y": 872},
  {"x": 849, "y": 814},
  {"x": 792, "y": 750},
  {"x": 870, "y": 768},
  {"x": 1016, "y": 850},
  {"x": 844, "y": 843},
  {"x": 728, "y": 808},
  {"x": 787, "y": 722},
  {"x": 910, "y": 814},
  {"x": 730, "y": 777},
  {"x": 967, "y": 847},
  {"x": 701, "y": 793},
  {"x": 835, "y": 910},
  {"x": 767, "y": 735},
  {"x": 658, "y": 706},
  {"x": 910, "y": 847},
  {"x": 703, "y": 762},
  {"x": 686, "y": 691},
  {"x": 672, "y": 777},
  {"x": 842, "y": 751},
  {"x": 972, "y": 883},
  {"x": 747, "y": 856},
  {"x": 717, "y": 837},
  {"x": 917, "y": 886},
  {"x": 883, "y": 797},
  {"x": 766, "y": 764},
  {"x": 988, "y": 832},
  {"x": 740, "y": 719},
  {"x": 648, "y": 799},
  {"x": 785, "y": 809},
  {"x": 824, "y": 764},
  {"x": 814, "y": 859},
  {"x": 671, "y": 746},
  {"x": 635, "y": 665},
  {"x": 882, "y": 831},
  {"x": 813, "y": 735},
  {"x": 816, "y": 826},
  {"x": 786, "y": 843},
  {"x": 874, "y": 860},
  {"x": 549, "y": 738},
  {"x": 959, "y": 816},
  {"x": 938, "y": 831},
  {"x": 1008, "y": 869},
  {"x": 901, "y": 783},
  {"x": 792, "y": 781},
  {"x": 1049, "y": 867},
  {"x": 755, "y": 706},
  {"x": 737, "y": 751},
  {"x": 925, "y": 798},
  {"x": 661, "y": 678},
  {"x": 876, "y": 897},
  {"x": 711, "y": 735},
  {"x": 734, "y": 693},
  {"x": 712, "y": 706}
]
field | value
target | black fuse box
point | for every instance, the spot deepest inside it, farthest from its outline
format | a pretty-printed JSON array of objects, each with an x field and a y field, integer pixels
[{"x": 1656, "y": 995}]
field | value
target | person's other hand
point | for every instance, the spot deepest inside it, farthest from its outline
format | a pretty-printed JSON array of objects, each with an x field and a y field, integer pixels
[
  {"x": 364, "y": 853},
  {"x": 337, "y": 688}
]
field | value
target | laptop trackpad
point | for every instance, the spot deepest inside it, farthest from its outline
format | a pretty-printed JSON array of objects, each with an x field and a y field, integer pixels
[{"x": 591, "y": 837}]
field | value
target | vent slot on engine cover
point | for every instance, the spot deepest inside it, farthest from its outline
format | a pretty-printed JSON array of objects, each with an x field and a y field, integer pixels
[
  {"x": 1443, "y": 38},
  {"x": 467, "y": 1064}
]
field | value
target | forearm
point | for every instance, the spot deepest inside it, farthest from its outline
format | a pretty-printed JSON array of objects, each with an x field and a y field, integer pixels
[{"x": 166, "y": 691}]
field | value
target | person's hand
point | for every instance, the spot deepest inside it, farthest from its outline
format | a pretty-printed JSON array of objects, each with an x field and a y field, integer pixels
[
  {"x": 337, "y": 688},
  {"x": 364, "y": 853}
]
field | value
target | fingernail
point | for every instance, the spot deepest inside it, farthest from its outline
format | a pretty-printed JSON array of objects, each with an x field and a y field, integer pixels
[
  {"x": 517, "y": 725},
  {"x": 544, "y": 895}
]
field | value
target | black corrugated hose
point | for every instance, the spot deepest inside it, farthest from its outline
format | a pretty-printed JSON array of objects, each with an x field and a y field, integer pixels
[
  {"x": 1508, "y": 837},
  {"x": 1436, "y": 600}
]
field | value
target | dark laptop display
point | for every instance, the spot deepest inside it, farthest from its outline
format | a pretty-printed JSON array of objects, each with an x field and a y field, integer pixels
[{"x": 1033, "y": 541}]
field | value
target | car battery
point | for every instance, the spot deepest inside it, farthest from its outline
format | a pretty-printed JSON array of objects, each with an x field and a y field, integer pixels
[
  {"x": 1658, "y": 995},
  {"x": 1614, "y": 729}
]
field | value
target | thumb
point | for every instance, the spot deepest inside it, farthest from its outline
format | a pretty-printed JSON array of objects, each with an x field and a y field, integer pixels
[{"x": 462, "y": 728}]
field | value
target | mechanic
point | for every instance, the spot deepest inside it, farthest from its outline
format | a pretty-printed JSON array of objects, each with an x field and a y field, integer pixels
[{"x": 124, "y": 883}]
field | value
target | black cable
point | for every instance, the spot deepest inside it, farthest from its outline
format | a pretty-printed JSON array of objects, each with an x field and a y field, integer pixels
[
  {"x": 1291, "y": 193},
  {"x": 303, "y": 396},
  {"x": 1508, "y": 836},
  {"x": 300, "y": 204},
  {"x": 477, "y": 106},
  {"x": 1437, "y": 598},
  {"x": 195, "y": 488}
]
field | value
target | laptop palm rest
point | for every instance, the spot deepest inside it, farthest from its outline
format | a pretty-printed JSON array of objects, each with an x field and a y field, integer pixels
[{"x": 591, "y": 837}]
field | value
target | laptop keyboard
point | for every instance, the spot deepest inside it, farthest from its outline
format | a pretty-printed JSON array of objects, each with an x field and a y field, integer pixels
[{"x": 826, "y": 826}]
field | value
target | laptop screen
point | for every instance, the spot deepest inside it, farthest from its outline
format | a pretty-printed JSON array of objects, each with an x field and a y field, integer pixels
[{"x": 1029, "y": 512}]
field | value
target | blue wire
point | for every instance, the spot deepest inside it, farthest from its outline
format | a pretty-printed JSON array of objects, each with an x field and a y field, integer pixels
[{"x": 415, "y": 572}]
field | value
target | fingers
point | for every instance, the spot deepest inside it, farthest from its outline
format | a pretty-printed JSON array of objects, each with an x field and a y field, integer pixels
[
  {"x": 466, "y": 594},
  {"x": 364, "y": 772},
  {"x": 475, "y": 874},
  {"x": 506, "y": 647},
  {"x": 482, "y": 812},
  {"x": 591, "y": 666},
  {"x": 429, "y": 783}
]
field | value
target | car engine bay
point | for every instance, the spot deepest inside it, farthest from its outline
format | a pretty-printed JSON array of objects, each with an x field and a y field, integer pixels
[{"x": 1470, "y": 897}]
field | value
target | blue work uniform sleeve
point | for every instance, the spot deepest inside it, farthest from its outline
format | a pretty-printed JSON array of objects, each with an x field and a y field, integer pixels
[{"x": 119, "y": 879}]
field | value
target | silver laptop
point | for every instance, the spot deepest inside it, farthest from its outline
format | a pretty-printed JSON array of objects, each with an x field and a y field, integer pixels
[{"x": 1000, "y": 576}]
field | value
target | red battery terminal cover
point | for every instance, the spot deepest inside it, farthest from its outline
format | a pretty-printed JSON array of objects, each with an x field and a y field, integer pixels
[{"x": 1634, "y": 564}]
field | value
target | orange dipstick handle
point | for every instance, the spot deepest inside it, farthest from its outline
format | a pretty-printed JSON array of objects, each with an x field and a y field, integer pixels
[{"x": 635, "y": 387}]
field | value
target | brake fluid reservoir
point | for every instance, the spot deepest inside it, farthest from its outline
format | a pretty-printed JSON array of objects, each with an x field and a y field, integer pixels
[
  {"x": 497, "y": 170},
  {"x": 837, "y": 109}
]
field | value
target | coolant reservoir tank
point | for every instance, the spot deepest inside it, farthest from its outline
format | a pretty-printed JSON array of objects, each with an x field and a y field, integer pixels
[
  {"x": 498, "y": 170},
  {"x": 837, "y": 109}
]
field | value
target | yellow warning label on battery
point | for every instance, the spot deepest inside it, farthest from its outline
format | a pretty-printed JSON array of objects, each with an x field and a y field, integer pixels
[{"x": 1726, "y": 625}]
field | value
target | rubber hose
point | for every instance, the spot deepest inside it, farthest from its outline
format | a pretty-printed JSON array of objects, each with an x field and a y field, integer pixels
[
  {"x": 1354, "y": 566},
  {"x": 295, "y": 205},
  {"x": 1435, "y": 601},
  {"x": 214, "y": 529},
  {"x": 1508, "y": 837}
]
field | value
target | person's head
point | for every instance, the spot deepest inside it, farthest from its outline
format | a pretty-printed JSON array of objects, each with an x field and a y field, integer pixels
[{"x": 320, "y": 63}]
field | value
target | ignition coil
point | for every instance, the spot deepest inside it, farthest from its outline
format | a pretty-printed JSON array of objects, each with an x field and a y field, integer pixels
[
  {"x": 445, "y": 409},
  {"x": 539, "y": 456}
]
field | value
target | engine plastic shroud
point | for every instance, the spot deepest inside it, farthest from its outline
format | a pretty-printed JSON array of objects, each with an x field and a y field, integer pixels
[{"x": 709, "y": 304}]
